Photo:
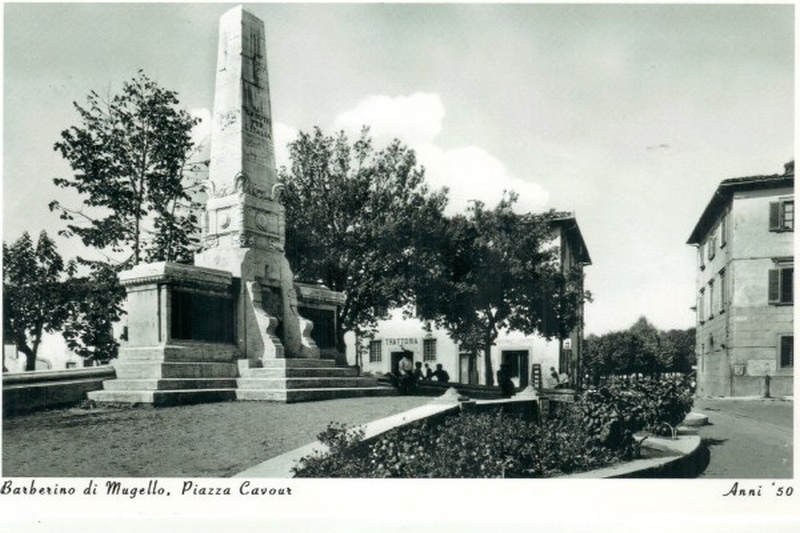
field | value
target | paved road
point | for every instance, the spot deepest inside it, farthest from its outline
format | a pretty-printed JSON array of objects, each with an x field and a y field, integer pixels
[{"x": 748, "y": 438}]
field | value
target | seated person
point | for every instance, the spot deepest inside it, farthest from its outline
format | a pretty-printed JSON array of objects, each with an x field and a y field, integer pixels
[{"x": 441, "y": 374}]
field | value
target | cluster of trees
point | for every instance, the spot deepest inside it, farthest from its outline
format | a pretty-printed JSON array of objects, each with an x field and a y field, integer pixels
[
  {"x": 130, "y": 158},
  {"x": 43, "y": 294},
  {"x": 641, "y": 349},
  {"x": 360, "y": 220},
  {"x": 363, "y": 222}
]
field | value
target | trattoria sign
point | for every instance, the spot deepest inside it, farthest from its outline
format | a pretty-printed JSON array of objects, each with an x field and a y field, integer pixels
[{"x": 398, "y": 341}]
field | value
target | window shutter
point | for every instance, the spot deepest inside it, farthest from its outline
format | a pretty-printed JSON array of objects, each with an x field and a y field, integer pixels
[
  {"x": 774, "y": 216},
  {"x": 787, "y": 351},
  {"x": 787, "y": 285},
  {"x": 723, "y": 234},
  {"x": 774, "y": 286}
]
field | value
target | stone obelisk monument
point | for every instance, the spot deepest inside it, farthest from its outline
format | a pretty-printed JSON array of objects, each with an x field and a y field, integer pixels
[
  {"x": 229, "y": 326},
  {"x": 244, "y": 227}
]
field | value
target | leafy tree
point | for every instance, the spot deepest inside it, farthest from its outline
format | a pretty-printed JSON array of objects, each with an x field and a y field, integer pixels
[
  {"x": 646, "y": 343},
  {"x": 359, "y": 220},
  {"x": 42, "y": 294},
  {"x": 500, "y": 271},
  {"x": 641, "y": 349},
  {"x": 130, "y": 159},
  {"x": 34, "y": 300},
  {"x": 95, "y": 305},
  {"x": 678, "y": 348}
]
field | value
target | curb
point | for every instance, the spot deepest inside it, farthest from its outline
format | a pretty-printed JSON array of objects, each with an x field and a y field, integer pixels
[{"x": 687, "y": 450}]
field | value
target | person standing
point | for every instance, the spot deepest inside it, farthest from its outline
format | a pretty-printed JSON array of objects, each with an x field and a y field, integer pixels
[
  {"x": 405, "y": 369},
  {"x": 504, "y": 381}
]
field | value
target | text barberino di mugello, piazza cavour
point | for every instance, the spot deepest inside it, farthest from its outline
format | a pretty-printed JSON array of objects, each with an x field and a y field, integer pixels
[{"x": 153, "y": 487}]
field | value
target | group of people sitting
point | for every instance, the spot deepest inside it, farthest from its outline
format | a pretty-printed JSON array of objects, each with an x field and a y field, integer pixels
[{"x": 410, "y": 374}]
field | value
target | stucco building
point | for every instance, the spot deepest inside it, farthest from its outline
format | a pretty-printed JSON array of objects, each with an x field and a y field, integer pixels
[
  {"x": 523, "y": 353},
  {"x": 745, "y": 287}
]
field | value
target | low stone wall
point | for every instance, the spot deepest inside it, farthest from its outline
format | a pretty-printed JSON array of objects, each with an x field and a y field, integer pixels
[
  {"x": 480, "y": 392},
  {"x": 763, "y": 386},
  {"x": 28, "y": 391}
]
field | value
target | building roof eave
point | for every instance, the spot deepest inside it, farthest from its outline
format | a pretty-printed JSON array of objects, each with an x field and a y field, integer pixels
[{"x": 722, "y": 197}]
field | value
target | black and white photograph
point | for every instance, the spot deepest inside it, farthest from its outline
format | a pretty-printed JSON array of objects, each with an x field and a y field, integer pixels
[{"x": 362, "y": 266}]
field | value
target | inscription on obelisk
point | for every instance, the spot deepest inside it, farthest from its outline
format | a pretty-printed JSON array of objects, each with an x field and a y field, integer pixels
[{"x": 241, "y": 138}]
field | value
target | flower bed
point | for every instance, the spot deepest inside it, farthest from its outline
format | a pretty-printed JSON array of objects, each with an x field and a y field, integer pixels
[{"x": 595, "y": 431}]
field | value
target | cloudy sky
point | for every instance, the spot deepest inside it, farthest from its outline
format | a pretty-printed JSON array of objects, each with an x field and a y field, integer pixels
[{"x": 628, "y": 115}]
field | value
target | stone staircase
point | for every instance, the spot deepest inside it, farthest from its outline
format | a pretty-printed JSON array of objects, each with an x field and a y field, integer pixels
[
  {"x": 171, "y": 375},
  {"x": 303, "y": 380},
  {"x": 178, "y": 375}
]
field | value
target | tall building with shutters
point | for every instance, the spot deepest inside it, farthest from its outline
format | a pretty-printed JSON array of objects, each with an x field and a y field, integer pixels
[{"x": 745, "y": 287}]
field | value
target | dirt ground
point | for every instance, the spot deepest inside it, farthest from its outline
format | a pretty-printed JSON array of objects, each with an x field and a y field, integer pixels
[{"x": 206, "y": 440}]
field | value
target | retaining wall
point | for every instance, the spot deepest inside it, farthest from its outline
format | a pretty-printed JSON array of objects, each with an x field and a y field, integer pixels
[{"x": 24, "y": 392}]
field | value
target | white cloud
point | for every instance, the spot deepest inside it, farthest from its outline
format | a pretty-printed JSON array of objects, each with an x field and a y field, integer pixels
[
  {"x": 469, "y": 172},
  {"x": 282, "y": 135},
  {"x": 415, "y": 119},
  {"x": 201, "y": 133}
]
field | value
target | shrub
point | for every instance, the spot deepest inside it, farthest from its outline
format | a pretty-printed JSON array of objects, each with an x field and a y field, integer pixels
[
  {"x": 594, "y": 431},
  {"x": 648, "y": 404},
  {"x": 464, "y": 446},
  {"x": 344, "y": 458}
]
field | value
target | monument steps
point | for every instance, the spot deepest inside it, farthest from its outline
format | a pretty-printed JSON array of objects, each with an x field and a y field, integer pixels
[
  {"x": 298, "y": 363},
  {"x": 169, "y": 384},
  {"x": 303, "y": 372},
  {"x": 304, "y": 382},
  {"x": 142, "y": 370},
  {"x": 162, "y": 398},
  {"x": 181, "y": 353},
  {"x": 311, "y": 395}
]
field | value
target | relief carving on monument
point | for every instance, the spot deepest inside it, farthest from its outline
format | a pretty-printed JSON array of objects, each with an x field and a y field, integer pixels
[
  {"x": 265, "y": 304},
  {"x": 228, "y": 118},
  {"x": 246, "y": 240},
  {"x": 277, "y": 192},
  {"x": 211, "y": 241},
  {"x": 309, "y": 346}
]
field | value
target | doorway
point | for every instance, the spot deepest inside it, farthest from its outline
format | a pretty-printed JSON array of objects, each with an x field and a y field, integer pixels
[
  {"x": 517, "y": 361},
  {"x": 396, "y": 356},
  {"x": 466, "y": 368}
]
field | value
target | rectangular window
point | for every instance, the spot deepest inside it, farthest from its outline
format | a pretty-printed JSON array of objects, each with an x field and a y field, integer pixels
[
  {"x": 787, "y": 351},
  {"x": 781, "y": 215},
  {"x": 723, "y": 231},
  {"x": 701, "y": 308},
  {"x": 375, "y": 351},
  {"x": 711, "y": 299},
  {"x": 722, "y": 288},
  {"x": 781, "y": 285},
  {"x": 429, "y": 350},
  {"x": 712, "y": 247},
  {"x": 701, "y": 251}
]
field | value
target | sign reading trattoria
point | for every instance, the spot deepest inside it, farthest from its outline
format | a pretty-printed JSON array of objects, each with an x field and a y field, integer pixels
[{"x": 392, "y": 342}]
